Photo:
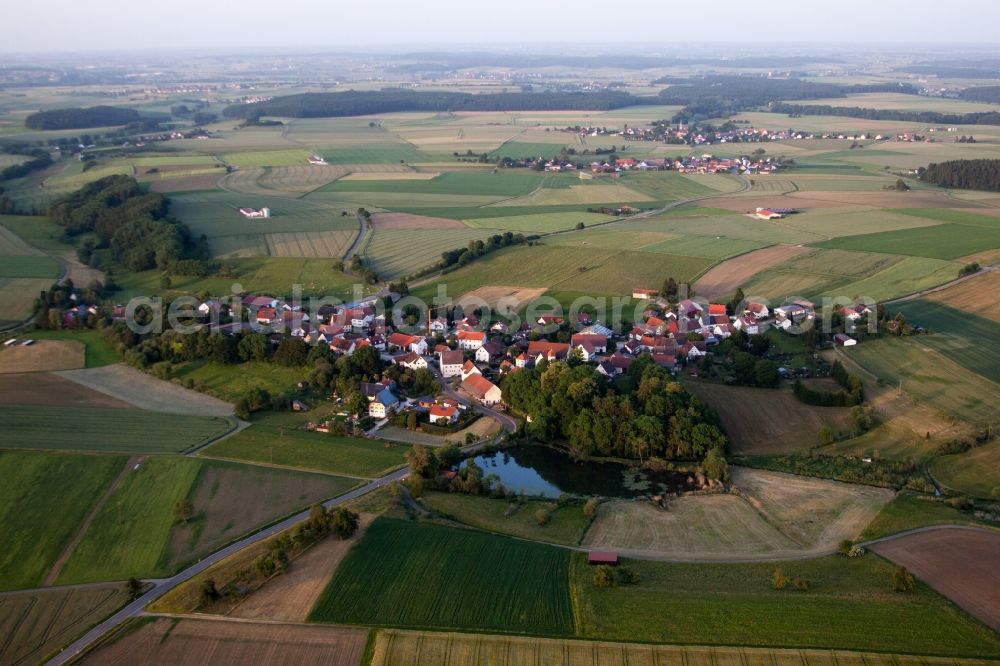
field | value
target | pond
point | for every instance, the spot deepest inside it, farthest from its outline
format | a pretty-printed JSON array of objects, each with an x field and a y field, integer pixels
[{"x": 541, "y": 470}]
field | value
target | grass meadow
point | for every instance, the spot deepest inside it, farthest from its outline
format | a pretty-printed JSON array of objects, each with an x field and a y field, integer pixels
[
  {"x": 276, "y": 438},
  {"x": 975, "y": 472},
  {"x": 943, "y": 241},
  {"x": 418, "y": 575},
  {"x": 849, "y": 605},
  {"x": 43, "y": 500}
]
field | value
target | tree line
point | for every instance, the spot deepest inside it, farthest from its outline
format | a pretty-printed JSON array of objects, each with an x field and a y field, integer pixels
[
  {"x": 851, "y": 393},
  {"x": 38, "y": 158},
  {"x": 927, "y": 117},
  {"x": 990, "y": 94},
  {"x": 657, "y": 418},
  {"x": 359, "y": 103},
  {"x": 77, "y": 118},
  {"x": 132, "y": 223},
  {"x": 964, "y": 174}
]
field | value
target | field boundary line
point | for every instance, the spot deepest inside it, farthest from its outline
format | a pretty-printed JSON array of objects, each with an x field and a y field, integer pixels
[{"x": 70, "y": 547}]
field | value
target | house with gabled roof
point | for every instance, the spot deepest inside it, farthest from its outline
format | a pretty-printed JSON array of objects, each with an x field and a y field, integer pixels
[
  {"x": 482, "y": 389},
  {"x": 383, "y": 404},
  {"x": 491, "y": 352},
  {"x": 445, "y": 414},
  {"x": 410, "y": 360},
  {"x": 450, "y": 363},
  {"x": 468, "y": 369},
  {"x": 470, "y": 340}
]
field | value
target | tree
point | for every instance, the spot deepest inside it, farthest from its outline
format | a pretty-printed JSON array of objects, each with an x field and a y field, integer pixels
[
  {"x": 133, "y": 588},
  {"x": 903, "y": 580},
  {"x": 844, "y": 547},
  {"x": 590, "y": 507},
  {"x": 208, "y": 592},
  {"x": 604, "y": 576},
  {"x": 356, "y": 403},
  {"x": 183, "y": 510},
  {"x": 715, "y": 465},
  {"x": 421, "y": 461},
  {"x": 542, "y": 517},
  {"x": 411, "y": 421},
  {"x": 343, "y": 523},
  {"x": 826, "y": 436},
  {"x": 738, "y": 298}
]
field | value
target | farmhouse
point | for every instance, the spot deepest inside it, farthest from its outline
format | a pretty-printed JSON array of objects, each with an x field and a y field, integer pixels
[
  {"x": 266, "y": 316},
  {"x": 443, "y": 414},
  {"x": 451, "y": 363},
  {"x": 491, "y": 352},
  {"x": 482, "y": 389},
  {"x": 599, "y": 343},
  {"x": 468, "y": 369},
  {"x": 767, "y": 214},
  {"x": 410, "y": 360},
  {"x": 316, "y": 159},
  {"x": 253, "y": 213},
  {"x": 410, "y": 342},
  {"x": 471, "y": 340},
  {"x": 644, "y": 294},
  {"x": 550, "y": 351}
]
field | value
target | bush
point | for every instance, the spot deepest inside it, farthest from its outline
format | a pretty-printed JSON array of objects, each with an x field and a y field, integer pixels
[
  {"x": 543, "y": 517},
  {"x": 590, "y": 508},
  {"x": 801, "y": 584},
  {"x": 604, "y": 576},
  {"x": 903, "y": 580},
  {"x": 857, "y": 551},
  {"x": 845, "y": 547},
  {"x": 779, "y": 579},
  {"x": 626, "y": 576}
]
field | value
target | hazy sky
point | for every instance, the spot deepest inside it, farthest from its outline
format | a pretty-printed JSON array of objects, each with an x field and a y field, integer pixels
[{"x": 74, "y": 25}]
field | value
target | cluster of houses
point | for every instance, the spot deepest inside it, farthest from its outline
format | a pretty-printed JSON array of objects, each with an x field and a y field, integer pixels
[{"x": 732, "y": 165}]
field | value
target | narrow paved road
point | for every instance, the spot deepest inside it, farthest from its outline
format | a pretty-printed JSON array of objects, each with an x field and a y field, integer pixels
[{"x": 135, "y": 608}]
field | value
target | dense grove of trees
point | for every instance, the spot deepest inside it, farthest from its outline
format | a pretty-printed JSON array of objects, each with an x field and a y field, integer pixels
[
  {"x": 38, "y": 159},
  {"x": 928, "y": 117},
  {"x": 658, "y": 419},
  {"x": 989, "y": 94},
  {"x": 95, "y": 116},
  {"x": 851, "y": 392},
  {"x": 464, "y": 255},
  {"x": 132, "y": 223},
  {"x": 964, "y": 174},
  {"x": 358, "y": 103}
]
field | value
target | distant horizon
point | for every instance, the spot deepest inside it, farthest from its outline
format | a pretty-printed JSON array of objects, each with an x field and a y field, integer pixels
[{"x": 101, "y": 26}]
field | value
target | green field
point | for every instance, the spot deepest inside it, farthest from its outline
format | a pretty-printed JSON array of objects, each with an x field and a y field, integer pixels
[
  {"x": 975, "y": 472},
  {"x": 909, "y": 276},
  {"x": 130, "y": 534},
  {"x": 411, "y": 575},
  {"x": 850, "y": 605},
  {"x": 943, "y": 241},
  {"x": 672, "y": 186},
  {"x": 909, "y": 511},
  {"x": 500, "y": 184},
  {"x": 963, "y": 337},
  {"x": 930, "y": 377},
  {"x": 231, "y": 382},
  {"x": 43, "y": 499},
  {"x": 28, "y": 267},
  {"x": 276, "y": 438},
  {"x": 103, "y": 429},
  {"x": 566, "y": 525},
  {"x": 394, "y": 253}
]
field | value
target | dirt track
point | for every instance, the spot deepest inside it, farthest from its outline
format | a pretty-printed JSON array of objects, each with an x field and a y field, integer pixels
[
  {"x": 723, "y": 279},
  {"x": 961, "y": 564},
  {"x": 146, "y": 392}
]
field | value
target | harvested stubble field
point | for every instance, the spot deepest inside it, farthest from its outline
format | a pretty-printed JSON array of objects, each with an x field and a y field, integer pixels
[
  {"x": 771, "y": 516},
  {"x": 757, "y": 419},
  {"x": 46, "y": 389},
  {"x": 171, "y": 641},
  {"x": 330, "y": 244},
  {"x": 539, "y": 222},
  {"x": 290, "y": 596},
  {"x": 394, "y": 647},
  {"x": 400, "y": 252},
  {"x": 576, "y": 195},
  {"x": 912, "y": 274},
  {"x": 42, "y": 356},
  {"x": 389, "y": 221},
  {"x": 35, "y": 624},
  {"x": 384, "y": 579},
  {"x": 147, "y": 392},
  {"x": 231, "y": 499},
  {"x": 17, "y": 296},
  {"x": 500, "y": 298},
  {"x": 959, "y": 563}
]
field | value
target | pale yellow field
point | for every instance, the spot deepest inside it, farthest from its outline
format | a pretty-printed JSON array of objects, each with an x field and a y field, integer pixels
[
  {"x": 387, "y": 175},
  {"x": 976, "y": 296},
  {"x": 43, "y": 356},
  {"x": 768, "y": 516},
  {"x": 331, "y": 244},
  {"x": 418, "y": 648}
]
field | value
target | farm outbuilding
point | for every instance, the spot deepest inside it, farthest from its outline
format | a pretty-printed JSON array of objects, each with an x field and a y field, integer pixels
[{"x": 609, "y": 557}]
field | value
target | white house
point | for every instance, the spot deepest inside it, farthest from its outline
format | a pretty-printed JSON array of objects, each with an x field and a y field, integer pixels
[
  {"x": 411, "y": 360},
  {"x": 468, "y": 369},
  {"x": 471, "y": 340},
  {"x": 253, "y": 213},
  {"x": 451, "y": 363},
  {"x": 748, "y": 324},
  {"x": 844, "y": 340},
  {"x": 491, "y": 352},
  {"x": 482, "y": 390},
  {"x": 443, "y": 414},
  {"x": 383, "y": 404},
  {"x": 411, "y": 343}
]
